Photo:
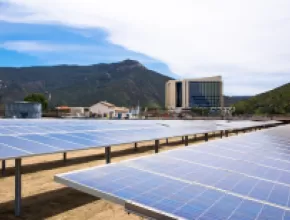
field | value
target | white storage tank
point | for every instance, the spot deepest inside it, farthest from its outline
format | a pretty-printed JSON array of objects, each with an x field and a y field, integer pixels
[{"x": 23, "y": 110}]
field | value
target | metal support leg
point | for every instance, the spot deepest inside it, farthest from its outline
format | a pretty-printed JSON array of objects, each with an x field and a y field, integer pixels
[
  {"x": 108, "y": 154},
  {"x": 17, "y": 187},
  {"x": 64, "y": 156},
  {"x": 226, "y": 133},
  {"x": 166, "y": 141},
  {"x": 206, "y": 137},
  {"x": 221, "y": 134},
  {"x": 156, "y": 147},
  {"x": 3, "y": 167},
  {"x": 182, "y": 139},
  {"x": 186, "y": 141},
  {"x": 135, "y": 146},
  {"x": 237, "y": 132}
]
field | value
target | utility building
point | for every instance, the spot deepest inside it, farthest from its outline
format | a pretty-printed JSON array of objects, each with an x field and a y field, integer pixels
[
  {"x": 188, "y": 93},
  {"x": 23, "y": 110}
]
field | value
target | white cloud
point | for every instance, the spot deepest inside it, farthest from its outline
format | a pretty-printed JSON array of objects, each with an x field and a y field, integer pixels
[
  {"x": 43, "y": 47},
  {"x": 246, "y": 41},
  {"x": 63, "y": 53}
]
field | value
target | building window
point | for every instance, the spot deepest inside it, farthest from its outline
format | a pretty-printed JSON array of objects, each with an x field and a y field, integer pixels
[
  {"x": 179, "y": 94},
  {"x": 204, "y": 94}
]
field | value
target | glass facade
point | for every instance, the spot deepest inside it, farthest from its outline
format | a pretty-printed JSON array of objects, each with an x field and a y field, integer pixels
[
  {"x": 204, "y": 94},
  {"x": 179, "y": 94}
]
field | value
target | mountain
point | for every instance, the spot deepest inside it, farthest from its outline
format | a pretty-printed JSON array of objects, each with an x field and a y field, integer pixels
[
  {"x": 230, "y": 100},
  {"x": 276, "y": 101},
  {"x": 124, "y": 83}
]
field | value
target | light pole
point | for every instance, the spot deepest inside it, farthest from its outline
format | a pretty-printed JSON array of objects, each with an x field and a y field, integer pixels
[{"x": 48, "y": 94}]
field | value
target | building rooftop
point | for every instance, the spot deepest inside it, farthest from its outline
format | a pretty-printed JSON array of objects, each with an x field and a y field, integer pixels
[
  {"x": 107, "y": 104},
  {"x": 203, "y": 79},
  {"x": 121, "y": 109}
]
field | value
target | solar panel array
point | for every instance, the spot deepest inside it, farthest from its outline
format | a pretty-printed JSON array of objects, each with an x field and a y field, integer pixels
[
  {"x": 241, "y": 177},
  {"x": 22, "y": 138}
]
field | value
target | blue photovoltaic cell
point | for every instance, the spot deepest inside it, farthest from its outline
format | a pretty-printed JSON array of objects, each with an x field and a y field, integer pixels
[
  {"x": 50, "y": 129},
  {"x": 240, "y": 166},
  {"x": 170, "y": 195},
  {"x": 146, "y": 135},
  {"x": 262, "y": 159},
  {"x": 78, "y": 140},
  {"x": 61, "y": 144},
  {"x": 272, "y": 213},
  {"x": 233, "y": 182},
  {"x": 33, "y": 147},
  {"x": 98, "y": 138},
  {"x": 8, "y": 152},
  {"x": 20, "y": 130},
  {"x": 279, "y": 195},
  {"x": 35, "y": 130},
  {"x": 6, "y": 131}
]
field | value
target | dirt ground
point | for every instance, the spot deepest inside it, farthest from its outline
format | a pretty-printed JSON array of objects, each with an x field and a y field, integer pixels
[{"x": 42, "y": 198}]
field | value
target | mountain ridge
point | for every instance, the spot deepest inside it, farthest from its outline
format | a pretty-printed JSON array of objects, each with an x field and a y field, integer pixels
[{"x": 123, "y": 83}]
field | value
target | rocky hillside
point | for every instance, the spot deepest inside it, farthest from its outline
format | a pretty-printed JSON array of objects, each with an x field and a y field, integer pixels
[{"x": 124, "y": 83}]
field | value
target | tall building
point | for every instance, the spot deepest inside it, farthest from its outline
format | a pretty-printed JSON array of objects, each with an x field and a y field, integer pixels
[{"x": 203, "y": 92}]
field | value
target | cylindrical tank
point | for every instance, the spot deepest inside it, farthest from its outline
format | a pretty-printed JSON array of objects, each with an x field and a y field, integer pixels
[{"x": 23, "y": 110}]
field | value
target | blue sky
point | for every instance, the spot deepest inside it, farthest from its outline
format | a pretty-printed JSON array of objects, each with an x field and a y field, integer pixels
[
  {"x": 38, "y": 45},
  {"x": 244, "y": 41}
]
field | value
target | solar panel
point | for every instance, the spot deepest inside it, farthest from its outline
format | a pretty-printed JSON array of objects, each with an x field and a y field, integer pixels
[
  {"x": 59, "y": 143},
  {"x": 22, "y": 138},
  {"x": 44, "y": 137},
  {"x": 42, "y": 126},
  {"x": 7, "y": 152},
  {"x": 244, "y": 177}
]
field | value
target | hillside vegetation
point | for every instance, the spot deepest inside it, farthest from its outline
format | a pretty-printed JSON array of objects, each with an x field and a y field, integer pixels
[
  {"x": 124, "y": 83},
  {"x": 276, "y": 101},
  {"x": 230, "y": 100}
]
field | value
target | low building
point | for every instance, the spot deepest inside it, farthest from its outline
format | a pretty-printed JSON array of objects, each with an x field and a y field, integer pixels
[
  {"x": 80, "y": 111},
  {"x": 194, "y": 93},
  {"x": 103, "y": 109},
  {"x": 73, "y": 111},
  {"x": 108, "y": 110},
  {"x": 122, "y": 112},
  {"x": 63, "y": 111}
]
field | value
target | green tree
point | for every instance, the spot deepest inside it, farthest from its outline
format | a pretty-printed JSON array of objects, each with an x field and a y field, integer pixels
[
  {"x": 200, "y": 111},
  {"x": 205, "y": 111},
  {"x": 241, "y": 108},
  {"x": 39, "y": 98},
  {"x": 153, "y": 106}
]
